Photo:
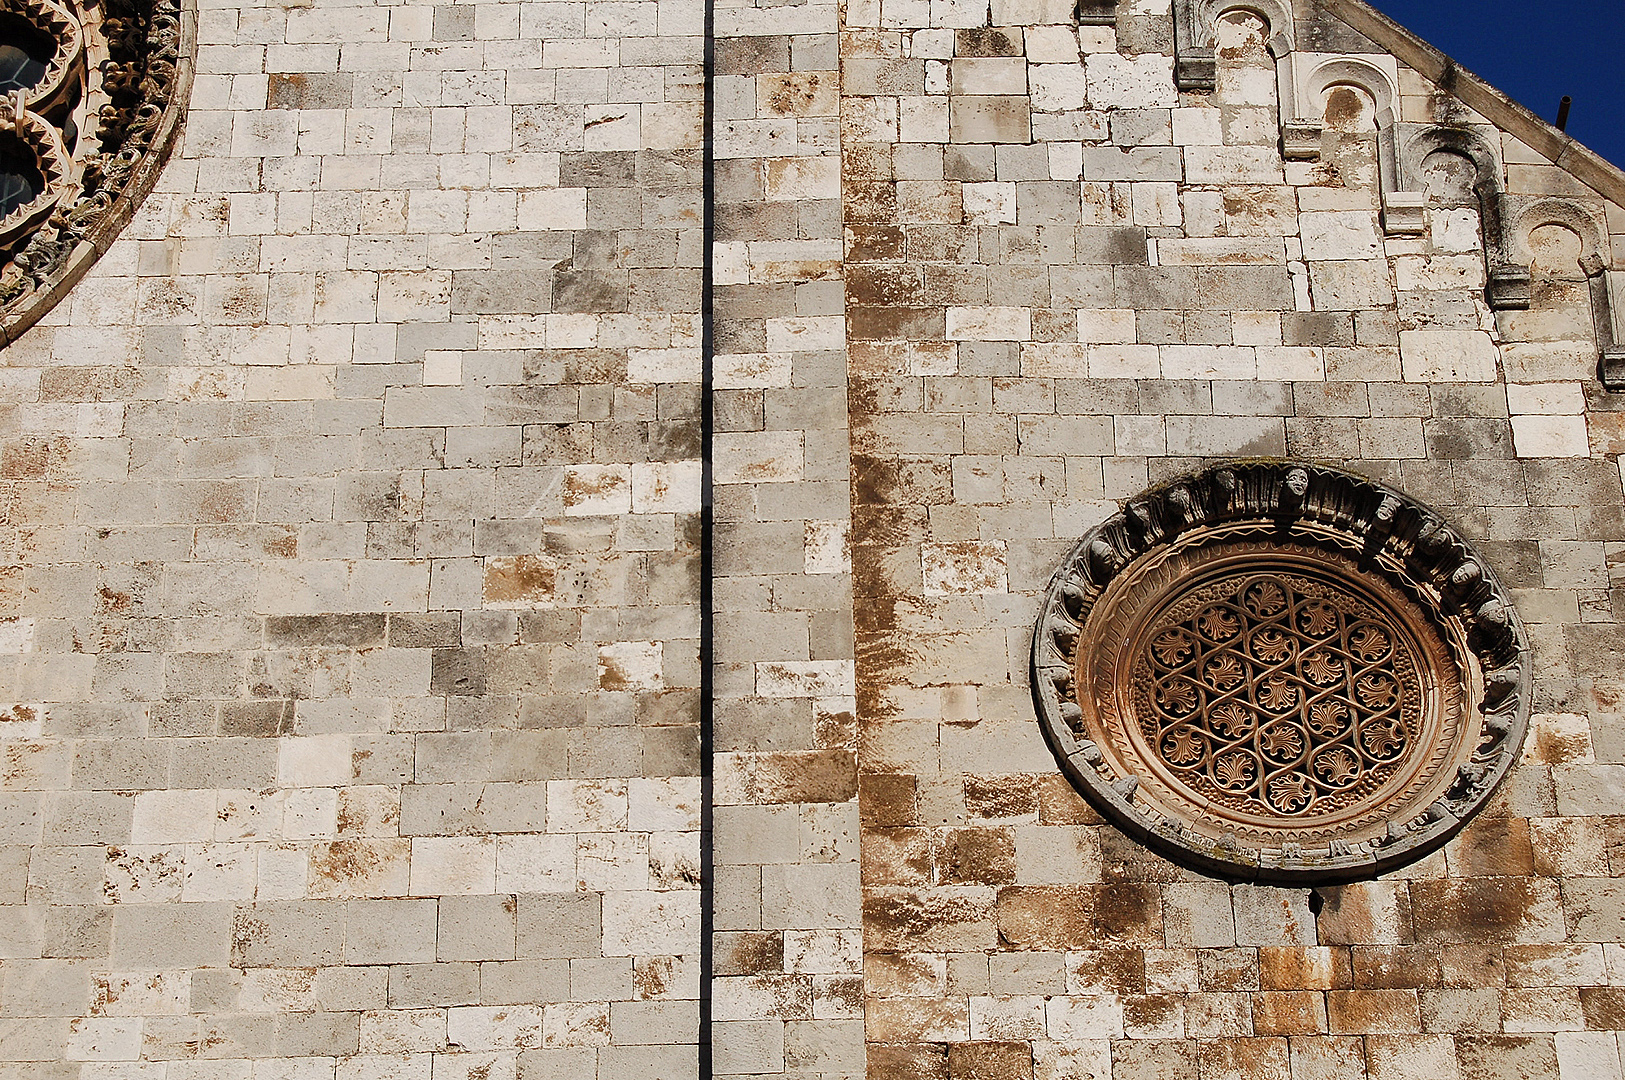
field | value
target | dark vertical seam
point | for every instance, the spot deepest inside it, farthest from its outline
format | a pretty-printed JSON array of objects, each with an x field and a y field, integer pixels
[{"x": 708, "y": 168}]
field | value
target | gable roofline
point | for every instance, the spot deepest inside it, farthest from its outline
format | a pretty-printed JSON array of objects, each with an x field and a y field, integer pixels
[{"x": 1579, "y": 160}]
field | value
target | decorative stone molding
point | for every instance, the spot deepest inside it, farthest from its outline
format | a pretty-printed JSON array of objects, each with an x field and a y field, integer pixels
[
  {"x": 1312, "y": 76},
  {"x": 55, "y": 86},
  {"x": 37, "y": 136},
  {"x": 137, "y": 98},
  {"x": 1282, "y": 672}
]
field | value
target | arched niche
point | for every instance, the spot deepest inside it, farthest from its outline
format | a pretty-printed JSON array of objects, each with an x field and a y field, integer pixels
[
  {"x": 1525, "y": 216},
  {"x": 1196, "y": 23}
]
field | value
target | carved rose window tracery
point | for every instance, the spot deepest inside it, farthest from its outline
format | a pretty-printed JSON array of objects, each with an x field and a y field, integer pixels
[{"x": 1281, "y": 673}]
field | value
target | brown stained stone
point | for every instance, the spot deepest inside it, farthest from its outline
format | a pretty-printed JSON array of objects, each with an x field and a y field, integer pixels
[
  {"x": 975, "y": 857},
  {"x": 1507, "y": 1057},
  {"x": 896, "y": 856},
  {"x": 1492, "y": 846},
  {"x": 1046, "y": 917},
  {"x": 990, "y": 1061},
  {"x": 1125, "y": 859},
  {"x": 885, "y": 285},
  {"x": 887, "y": 800},
  {"x": 1395, "y": 967},
  {"x": 1244, "y": 1059},
  {"x": 1106, "y": 971},
  {"x": 1289, "y": 1012},
  {"x": 749, "y": 952},
  {"x": 816, "y": 776},
  {"x": 952, "y": 920},
  {"x": 1002, "y": 797},
  {"x": 888, "y": 974},
  {"x": 1224, "y": 970},
  {"x": 1604, "y": 1007},
  {"x": 1160, "y": 1013},
  {"x": 873, "y": 243},
  {"x": 905, "y": 1020},
  {"x": 1365, "y": 912},
  {"x": 1486, "y": 910},
  {"x": 1168, "y": 1059},
  {"x": 1472, "y": 966},
  {"x": 1060, "y": 804},
  {"x": 913, "y": 1061},
  {"x": 520, "y": 581},
  {"x": 1373, "y": 1012},
  {"x": 1297, "y": 967}
]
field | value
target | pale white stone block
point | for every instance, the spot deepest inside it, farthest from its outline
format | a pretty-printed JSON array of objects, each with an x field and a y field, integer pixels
[
  {"x": 309, "y": 813},
  {"x": 1587, "y": 1055},
  {"x": 554, "y": 209},
  {"x": 826, "y": 548},
  {"x": 1447, "y": 356},
  {"x": 806, "y": 333},
  {"x": 453, "y": 865},
  {"x": 805, "y": 678},
  {"x": 1059, "y": 87},
  {"x": 1292, "y": 363},
  {"x": 964, "y": 568},
  {"x": 1131, "y": 82},
  {"x": 1565, "y": 398},
  {"x": 173, "y": 817},
  {"x": 759, "y": 457},
  {"x": 922, "y": 119},
  {"x": 663, "y": 804},
  {"x": 442, "y": 367},
  {"x": 1106, "y": 326},
  {"x": 535, "y": 864},
  {"x": 1157, "y": 205},
  {"x": 989, "y": 324},
  {"x": 1255, "y": 327},
  {"x": 103, "y": 1038},
  {"x": 501, "y": 1027},
  {"x": 650, "y": 923},
  {"x": 597, "y": 490},
  {"x": 586, "y": 805},
  {"x": 313, "y": 761},
  {"x": 1539, "y": 436},
  {"x": 1070, "y": 1019},
  {"x": 1140, "y": 436},
  {"x": 666, "y": 487},
  {"x": 1209, "y": 362},
  {"x": 1125, "y": 362},
  {"x": 631, "y": 665},
  {"x": 143, "y": 993},
  {"x": 609, "y": 862},
  {"x": 748, "y": 371},
  {"x": 1065, "y": 160},
  {"x": 1340, "y": 235},
  {"x": 1198, "y": 127},
  {"x": 991, "y": 203},
  {"x": 219, "y": 872},
  {"x": 663, "y": 365},
  {"x": 16, "y": 635}
]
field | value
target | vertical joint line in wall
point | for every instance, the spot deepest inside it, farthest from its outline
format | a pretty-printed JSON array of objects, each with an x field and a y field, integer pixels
[{"x": 707, "y": 529}]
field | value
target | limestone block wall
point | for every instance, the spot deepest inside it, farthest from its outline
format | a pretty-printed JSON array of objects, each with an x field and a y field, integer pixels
[
  {"x": 1068, "y": 280},
  {"x": 348, "y": 622},
  {"x": 787, "y": 994}
]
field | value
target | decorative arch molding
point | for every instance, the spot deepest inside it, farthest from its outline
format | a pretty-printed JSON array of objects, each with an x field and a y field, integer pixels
[
  {"x": 1386, "y": 675},
  {"x": 120, "y": 86},
  {"x": 1196, "y": 25}
]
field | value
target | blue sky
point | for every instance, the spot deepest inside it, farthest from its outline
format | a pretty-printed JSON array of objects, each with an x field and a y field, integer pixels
[{"x": 1536, "y": 53}]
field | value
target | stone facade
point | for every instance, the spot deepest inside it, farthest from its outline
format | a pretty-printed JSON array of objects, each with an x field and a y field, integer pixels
[{"x": 353, "y": 503}]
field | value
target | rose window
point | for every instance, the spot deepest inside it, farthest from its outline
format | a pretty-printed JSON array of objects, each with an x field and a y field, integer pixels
[{"x": 1281, "y": 673}]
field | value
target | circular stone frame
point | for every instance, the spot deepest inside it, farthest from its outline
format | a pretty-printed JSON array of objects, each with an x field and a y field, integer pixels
[{"x": 1422, "y": 609}]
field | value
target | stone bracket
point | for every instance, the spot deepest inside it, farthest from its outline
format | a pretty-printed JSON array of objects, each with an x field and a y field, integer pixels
[
  {"x": 1096, "y": 12},
  {"x": 1608, "y": 314}
]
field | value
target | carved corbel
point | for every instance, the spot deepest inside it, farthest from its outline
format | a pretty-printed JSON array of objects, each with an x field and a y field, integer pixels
[{"x": 1096, "y": 12}]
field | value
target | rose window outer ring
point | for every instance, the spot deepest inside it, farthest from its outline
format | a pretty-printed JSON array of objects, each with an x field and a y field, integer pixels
[{"x": 1377, "y": 755}]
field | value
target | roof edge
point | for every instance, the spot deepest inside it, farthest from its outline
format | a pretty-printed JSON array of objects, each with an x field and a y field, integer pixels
[{"x": 1579, "y": 160}]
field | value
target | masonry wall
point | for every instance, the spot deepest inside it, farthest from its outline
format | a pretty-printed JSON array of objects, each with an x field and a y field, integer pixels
[
  {"x": 1066, "y": 281},
  {"x": 349, "y": 614}
]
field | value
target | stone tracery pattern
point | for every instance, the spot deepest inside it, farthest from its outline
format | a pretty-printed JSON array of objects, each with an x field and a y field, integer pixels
[
  {"x": 1273, "y": 694},
  {"x": 1325, "y": 682}
]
